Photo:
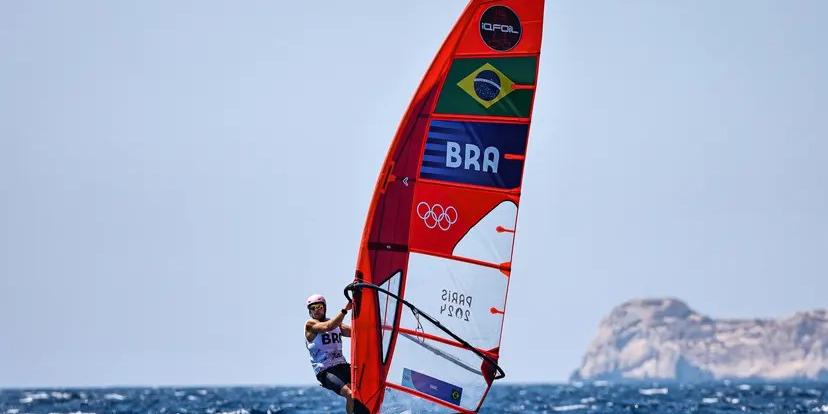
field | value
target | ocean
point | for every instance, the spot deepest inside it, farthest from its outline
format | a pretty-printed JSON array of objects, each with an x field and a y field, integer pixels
[{"x": 718, "y": 397}]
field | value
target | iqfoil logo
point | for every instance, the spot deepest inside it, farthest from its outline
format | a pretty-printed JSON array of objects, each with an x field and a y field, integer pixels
[
  {"x": 505, "y": 28},
  {"x": 500, "y": 28}
]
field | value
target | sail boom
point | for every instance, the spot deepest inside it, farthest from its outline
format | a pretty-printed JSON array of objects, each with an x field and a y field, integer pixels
[{"x": 440, "y": 339}]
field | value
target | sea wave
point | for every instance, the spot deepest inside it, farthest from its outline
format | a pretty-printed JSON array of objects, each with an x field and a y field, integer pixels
[{"x": 712, "y": 398}]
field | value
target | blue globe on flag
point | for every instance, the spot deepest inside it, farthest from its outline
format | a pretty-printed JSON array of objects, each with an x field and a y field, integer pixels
[{"x": 487, "y": 85}]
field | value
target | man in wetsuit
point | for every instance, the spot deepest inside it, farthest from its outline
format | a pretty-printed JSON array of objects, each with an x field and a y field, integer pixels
[{"x": 323, "y": 338}]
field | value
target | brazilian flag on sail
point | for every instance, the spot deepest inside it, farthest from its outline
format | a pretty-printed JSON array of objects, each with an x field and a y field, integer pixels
[{"x": 487, "y": 86}]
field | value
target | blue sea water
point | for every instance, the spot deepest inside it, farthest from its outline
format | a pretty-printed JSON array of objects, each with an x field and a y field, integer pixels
[{"x": 720, "y": 397}]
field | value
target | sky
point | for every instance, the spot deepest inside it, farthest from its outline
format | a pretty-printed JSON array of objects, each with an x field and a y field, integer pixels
[{"x": 177, "y": 177}]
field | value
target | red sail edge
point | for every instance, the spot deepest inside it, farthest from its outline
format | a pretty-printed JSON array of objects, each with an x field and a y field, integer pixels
[{"x": 481, "y": 84}]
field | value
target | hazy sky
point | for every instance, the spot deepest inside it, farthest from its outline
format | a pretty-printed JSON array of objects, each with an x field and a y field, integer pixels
[{"x": 176, "y": 177}]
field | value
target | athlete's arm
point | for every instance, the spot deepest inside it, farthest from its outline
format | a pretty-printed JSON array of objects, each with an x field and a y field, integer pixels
[
  {"x": 344, "y": 327},
  {"x": 329, "y": 325}
]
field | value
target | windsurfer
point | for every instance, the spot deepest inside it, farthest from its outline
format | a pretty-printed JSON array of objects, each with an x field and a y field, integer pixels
[{"x": 323, "y": 338}]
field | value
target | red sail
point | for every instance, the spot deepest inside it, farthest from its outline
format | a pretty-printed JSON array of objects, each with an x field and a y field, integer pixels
[{"x": 441, "y": 224}]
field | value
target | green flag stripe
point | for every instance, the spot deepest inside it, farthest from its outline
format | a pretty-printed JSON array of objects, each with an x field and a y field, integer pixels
[
  {"x": 519, "y": 70},
  {"x": 454, "y": 100}
]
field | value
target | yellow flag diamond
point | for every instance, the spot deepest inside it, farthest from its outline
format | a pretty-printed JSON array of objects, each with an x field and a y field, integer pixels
[{"x": 486, "y": 85}]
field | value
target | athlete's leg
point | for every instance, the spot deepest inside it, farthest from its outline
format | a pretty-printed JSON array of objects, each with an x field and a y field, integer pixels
[{"x": 349, "y": 398}]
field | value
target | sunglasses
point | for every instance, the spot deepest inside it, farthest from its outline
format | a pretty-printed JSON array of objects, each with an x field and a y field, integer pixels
[{"x": 316, "y": 306}]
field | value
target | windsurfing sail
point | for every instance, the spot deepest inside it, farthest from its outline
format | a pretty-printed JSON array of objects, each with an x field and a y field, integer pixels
[{"x": 435, "y": 258}]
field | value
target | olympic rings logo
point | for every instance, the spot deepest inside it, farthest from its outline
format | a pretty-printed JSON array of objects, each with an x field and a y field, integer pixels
[{"x": 437, "y": 215}]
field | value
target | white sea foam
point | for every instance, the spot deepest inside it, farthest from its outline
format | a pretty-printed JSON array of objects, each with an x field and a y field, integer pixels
[
  {"x": 601, "y": 383},
  {"x": 653, "y": 391},
  {"x": 571, "y": 407},
  {"x": 710, "y": 400},
  {"x": 12, "y": 411},
  {"x": 587, "y": 400},
  {"x": 30, "y": 397},
  {"x": 60, "y": 395},
  {"x": 824, "y": 408},
  {"x": 744, "y": 387},
  {"x": 74, "y": 412},
  {"x": 114, "y": 396}
]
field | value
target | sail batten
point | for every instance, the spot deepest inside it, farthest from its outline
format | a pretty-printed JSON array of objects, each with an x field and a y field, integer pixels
[
  {"x": 499, "y": 266},
  {"x": 409, "y": 332},
  {"x": 435, "y": 260}
]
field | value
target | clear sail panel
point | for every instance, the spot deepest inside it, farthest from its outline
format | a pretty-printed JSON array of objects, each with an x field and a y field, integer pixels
[
  {"x": 466, "y": 298},
  {"x": 442, "y": 372}
]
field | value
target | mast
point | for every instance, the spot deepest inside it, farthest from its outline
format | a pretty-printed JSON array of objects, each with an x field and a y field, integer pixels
[{"x": 434, "y": 264}]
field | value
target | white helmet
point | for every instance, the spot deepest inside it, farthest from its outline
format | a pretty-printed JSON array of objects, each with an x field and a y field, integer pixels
[{"x": 315, "y": 299}]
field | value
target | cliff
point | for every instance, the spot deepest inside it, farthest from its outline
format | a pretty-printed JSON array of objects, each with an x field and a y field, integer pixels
[{"x": 663, "y": 339}]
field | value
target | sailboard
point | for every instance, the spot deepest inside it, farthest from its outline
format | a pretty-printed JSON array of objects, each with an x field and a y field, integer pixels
[{"x": 435, "y": 258}]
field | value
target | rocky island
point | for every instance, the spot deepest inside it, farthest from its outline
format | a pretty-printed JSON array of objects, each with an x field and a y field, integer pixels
[{"x": 663, "y": 339}]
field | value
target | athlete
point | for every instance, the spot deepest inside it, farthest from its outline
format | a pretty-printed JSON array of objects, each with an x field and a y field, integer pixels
[{"x": 323, "y": 338}]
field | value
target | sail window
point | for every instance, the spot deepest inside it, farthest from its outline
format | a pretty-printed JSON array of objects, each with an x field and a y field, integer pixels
[{"x": 388, "y": 311}]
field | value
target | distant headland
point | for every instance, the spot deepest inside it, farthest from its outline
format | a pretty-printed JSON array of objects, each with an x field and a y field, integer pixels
[{"x": 664, "y": 339}]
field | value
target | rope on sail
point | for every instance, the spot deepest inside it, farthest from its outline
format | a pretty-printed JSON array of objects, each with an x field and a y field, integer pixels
[{"x": 358, "y": 285}]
